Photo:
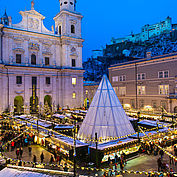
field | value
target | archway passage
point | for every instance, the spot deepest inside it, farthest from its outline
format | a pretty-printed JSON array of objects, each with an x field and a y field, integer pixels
[
  {"x": 86, "y": 103},
  {"x": 18, "y": 104},
  {"x": 31, "y": 105},
  {"x": 175, "y": 109},
  {"x": 47, "y": 103}
]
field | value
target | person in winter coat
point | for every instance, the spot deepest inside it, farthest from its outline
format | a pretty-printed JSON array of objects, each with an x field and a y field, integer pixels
[
  {"x": 34, "y": 160},
  {"x": 42, "y": 157},
  {"x": 51, "y": 159}
]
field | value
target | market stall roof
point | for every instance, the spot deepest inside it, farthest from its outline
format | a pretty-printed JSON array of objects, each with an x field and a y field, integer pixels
[
  {"x": 149, "y": 133},
  {"x": 14, "y": 171},
  {"x": 114, "y": 143},
  {"x": 9, "y": 172},
  {"x": 153, "y": 123},
  {"x": 59, "y": 116},
  {"x": 67, "y": 140},
  {"x": 64, "y": 127},
  {"x": 42, "y": 123},
  {"x": 106, "y": 117}
]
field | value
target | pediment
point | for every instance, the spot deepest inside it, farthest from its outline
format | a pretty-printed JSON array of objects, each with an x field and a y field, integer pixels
[{"x": 32, "y": 13}]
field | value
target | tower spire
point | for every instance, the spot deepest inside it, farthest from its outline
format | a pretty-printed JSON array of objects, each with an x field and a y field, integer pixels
[{"x": 32, "y": 5}]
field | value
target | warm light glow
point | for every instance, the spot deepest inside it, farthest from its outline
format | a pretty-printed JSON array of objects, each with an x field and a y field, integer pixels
[
  {"x": 148, "y": 107},
  {"x": 74, "y": 95},
  {"x": 127, "y": 106},
  {"x": 73, "y": 81}
]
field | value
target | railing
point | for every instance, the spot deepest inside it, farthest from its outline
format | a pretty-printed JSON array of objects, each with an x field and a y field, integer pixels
[{"x": 31, "y": 65}]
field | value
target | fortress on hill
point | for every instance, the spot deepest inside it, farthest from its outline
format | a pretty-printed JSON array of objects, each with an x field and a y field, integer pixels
[{"x": 148, "y": 31}]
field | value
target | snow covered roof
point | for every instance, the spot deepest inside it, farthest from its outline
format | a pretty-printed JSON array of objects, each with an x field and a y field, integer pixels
[
  {"x": 153, "y": 123},
  {"x": 106, "y": 117},
  {"x": 64, "y": 127},
  {"x": 9, "y": 172},
  {"x": 115, "y": 143},
  {"x": 14, "y": 171}
]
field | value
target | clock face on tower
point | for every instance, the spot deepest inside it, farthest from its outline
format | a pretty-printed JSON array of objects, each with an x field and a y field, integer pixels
[{"x": 33, "y": 23}]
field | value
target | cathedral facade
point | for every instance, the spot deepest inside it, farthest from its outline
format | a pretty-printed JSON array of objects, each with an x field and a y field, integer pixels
[{"x": 39, "y": 66}]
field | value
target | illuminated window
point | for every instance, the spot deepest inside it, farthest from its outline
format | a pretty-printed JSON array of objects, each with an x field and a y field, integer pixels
[
  {"x": 74, "y": 95},
  {"x": 141, "y": 90},
  {"x": 86, "y": 92},
  {"x": 163, "y": 89},
  {"x": 73, "y": 81},
  {"x": 141, "y": 102},
  {"x": 122, "y": 91},
  {"x": 115, "y": 79}
]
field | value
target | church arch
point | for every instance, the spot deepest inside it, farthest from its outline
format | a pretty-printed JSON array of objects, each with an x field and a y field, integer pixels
[
  {"x": 18, "y": 104},
  {"x": 47, "y": 102},
  {"x": 175, "y": 109}
]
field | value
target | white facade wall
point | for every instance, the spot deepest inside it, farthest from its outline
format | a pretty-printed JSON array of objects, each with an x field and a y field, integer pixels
[{"x": 26, "y": 39}]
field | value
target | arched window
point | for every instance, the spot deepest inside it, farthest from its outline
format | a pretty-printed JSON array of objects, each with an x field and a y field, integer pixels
[
  {"x": 72, "y": 29},
  {"x": 33, "y": 59}
]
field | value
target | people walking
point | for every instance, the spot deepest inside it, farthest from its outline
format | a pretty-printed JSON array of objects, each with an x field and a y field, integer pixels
[
  {"x": 42, "y": 157},
  {"x": 34, "y": 161},
  {"x": 51, "y": 159},
  {"x": 21, "y": 152},
  {"x": 17, "y": 152},
  {"x": 159, "y": 163},
  {"x": 161, "y": 153}
]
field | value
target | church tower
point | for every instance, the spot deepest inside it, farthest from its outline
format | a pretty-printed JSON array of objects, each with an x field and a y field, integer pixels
[
  {"x": 67, "y": 5},
  {"x": 68, "y": 27}
]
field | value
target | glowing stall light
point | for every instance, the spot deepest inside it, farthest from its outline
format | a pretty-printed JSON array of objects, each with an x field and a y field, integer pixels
[
  {"x": 127, "y": 106},
  {"x": 148, "y": 108}
]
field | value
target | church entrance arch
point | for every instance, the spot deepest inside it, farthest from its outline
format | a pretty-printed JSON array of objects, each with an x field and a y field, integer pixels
[
  {"x": 47, "y": 103},
  {"x": 18, "y": 104},
  {"x": 175, "y": 109}
]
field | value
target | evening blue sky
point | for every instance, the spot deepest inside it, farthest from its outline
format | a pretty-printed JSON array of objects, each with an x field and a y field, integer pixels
[{"x": 103, "y": 19}]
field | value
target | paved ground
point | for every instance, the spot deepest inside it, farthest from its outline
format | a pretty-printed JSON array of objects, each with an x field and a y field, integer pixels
[
  {"x": 145, "y": 163},
  {"x": 36, "y": 150}
]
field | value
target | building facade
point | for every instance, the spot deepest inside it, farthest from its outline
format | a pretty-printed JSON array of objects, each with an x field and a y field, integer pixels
[
  {"x": 90, "y": 88},
  {"x": 147, "y": 84},
  {"x": 31, "y": 55},
  {"x": 148, "y": 31}
]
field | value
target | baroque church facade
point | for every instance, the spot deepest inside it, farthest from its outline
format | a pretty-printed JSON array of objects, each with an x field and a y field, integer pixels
[{"x": 38, "y": 66}]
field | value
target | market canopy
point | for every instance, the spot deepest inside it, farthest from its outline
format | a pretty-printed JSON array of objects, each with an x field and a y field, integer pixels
[{"x": 106, "y": 117}]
